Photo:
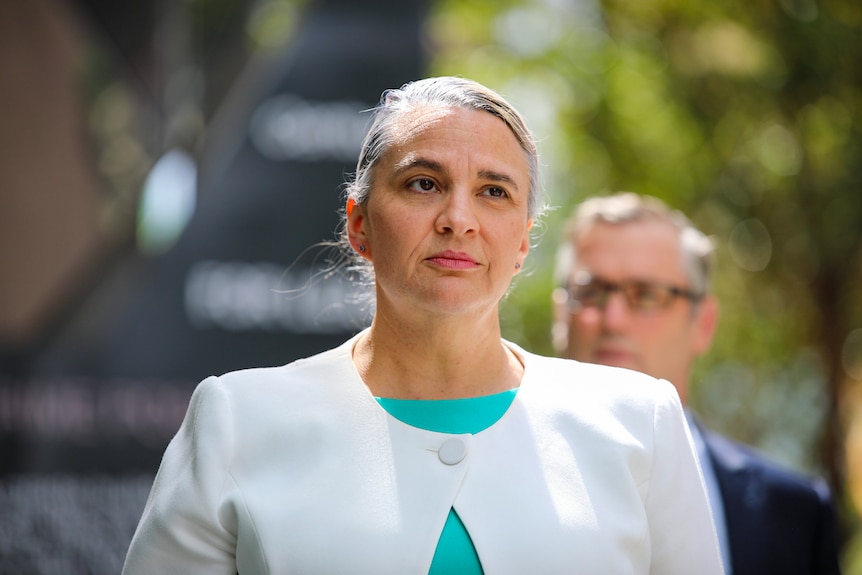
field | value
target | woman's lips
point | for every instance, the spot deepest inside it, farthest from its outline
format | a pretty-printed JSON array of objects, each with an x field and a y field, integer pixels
[{"x": 453, "y": 260}]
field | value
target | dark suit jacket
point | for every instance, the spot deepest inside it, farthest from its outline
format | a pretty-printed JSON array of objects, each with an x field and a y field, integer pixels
[{"x": 778, "y": 521}]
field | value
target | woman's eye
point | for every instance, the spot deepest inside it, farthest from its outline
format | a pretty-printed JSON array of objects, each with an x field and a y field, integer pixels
[
  {"x": 422, "y": 185},
  {"x": 495, "y": 192}
]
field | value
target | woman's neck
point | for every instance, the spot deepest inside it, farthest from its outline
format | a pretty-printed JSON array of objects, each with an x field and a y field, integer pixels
[{"x": 446, "y": 360}]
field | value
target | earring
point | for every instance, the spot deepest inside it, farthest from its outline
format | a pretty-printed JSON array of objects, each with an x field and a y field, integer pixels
[
  {"x": 362, "y": 249},
  {"x": 517, "y": 265}
]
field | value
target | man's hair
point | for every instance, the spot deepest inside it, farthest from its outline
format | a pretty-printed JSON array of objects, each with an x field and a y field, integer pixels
[{"x": 627, "y": 207}]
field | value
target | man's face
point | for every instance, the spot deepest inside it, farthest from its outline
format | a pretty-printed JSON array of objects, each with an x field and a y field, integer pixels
[{"x": 661, "y": 342}]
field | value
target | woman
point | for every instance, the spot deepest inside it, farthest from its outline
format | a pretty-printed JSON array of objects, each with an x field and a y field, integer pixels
[{"x": 426, "y": 443}]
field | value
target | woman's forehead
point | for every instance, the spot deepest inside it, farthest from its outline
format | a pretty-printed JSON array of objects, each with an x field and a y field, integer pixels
[
  {"x": 432, "y": 122},
  {"x": 419, "y": 119},
  {"x": 457, "y": 134}
]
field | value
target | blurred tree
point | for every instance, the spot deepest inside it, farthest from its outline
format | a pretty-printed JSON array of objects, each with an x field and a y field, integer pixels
[{"x": 747, "y": 117}]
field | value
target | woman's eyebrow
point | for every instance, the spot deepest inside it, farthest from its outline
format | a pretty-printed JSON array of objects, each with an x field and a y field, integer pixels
[
  {"x": 414, "y": 162},
  {"x": 498, "y": 177},
  {"x": 435, "y": 166}
]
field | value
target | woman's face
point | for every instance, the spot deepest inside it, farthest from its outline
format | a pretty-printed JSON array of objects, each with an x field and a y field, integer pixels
[{"x": 446, "y": 220}]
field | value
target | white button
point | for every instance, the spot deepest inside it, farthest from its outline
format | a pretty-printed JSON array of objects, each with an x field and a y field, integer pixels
[{"x": 452, "y": 451}]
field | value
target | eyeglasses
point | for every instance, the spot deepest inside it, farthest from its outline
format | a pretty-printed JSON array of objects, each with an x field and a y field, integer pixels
[{"x": 590, "y": 291}]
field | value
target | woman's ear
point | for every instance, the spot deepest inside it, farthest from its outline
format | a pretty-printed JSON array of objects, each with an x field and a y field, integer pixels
[
  {"x": 525, "y": 245},
  {"x": 356, "y": 229}
]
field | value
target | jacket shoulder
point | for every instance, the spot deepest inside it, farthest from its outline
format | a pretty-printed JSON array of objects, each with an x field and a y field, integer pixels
[
  {"x": 303, "y": 377},
  {"x": 733, "y": 457},
  {"x": 571, "y": 376}
]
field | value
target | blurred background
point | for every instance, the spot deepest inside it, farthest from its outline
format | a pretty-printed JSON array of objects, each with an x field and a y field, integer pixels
[{"x": 168, "y": 169}]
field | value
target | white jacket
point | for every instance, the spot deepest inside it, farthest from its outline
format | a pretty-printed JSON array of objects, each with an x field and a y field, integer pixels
[{"x": 297, "y": 469}]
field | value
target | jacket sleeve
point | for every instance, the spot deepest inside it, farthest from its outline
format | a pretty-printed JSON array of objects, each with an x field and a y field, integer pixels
[
  {"x": 825, "y": 533},
  {"x": 682, "y": 532},
  {"x": 185, "y": 527}
]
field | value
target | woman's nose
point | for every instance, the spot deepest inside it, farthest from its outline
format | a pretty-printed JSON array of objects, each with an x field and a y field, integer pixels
[{"x": 457, "y": 215}]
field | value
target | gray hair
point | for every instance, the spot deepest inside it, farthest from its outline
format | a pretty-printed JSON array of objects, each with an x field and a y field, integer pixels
[
  {"x": 443, "y": 92},
  {"x": 698, "y": 250}
]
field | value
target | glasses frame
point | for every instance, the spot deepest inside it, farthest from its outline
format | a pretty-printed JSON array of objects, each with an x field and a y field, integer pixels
[{"x": 628, "y": 289}]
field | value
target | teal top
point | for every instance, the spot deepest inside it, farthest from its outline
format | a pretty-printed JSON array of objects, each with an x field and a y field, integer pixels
[{"x": 455, "y": 552}]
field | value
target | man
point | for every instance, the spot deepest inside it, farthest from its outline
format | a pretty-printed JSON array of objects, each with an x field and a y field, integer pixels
[{"x": 636, "y": 295}]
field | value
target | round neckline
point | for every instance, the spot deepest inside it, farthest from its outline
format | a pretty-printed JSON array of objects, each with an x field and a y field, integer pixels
[
  {"x": 522, "y": 388},
  {"x": 466, "y": 415},
  {"x": 517, "y": 352},
  {"x": 476, "y": 398}
]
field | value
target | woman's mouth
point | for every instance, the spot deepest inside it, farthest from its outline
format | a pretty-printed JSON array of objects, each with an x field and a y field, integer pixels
[{"x": 453, "y": 260}]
